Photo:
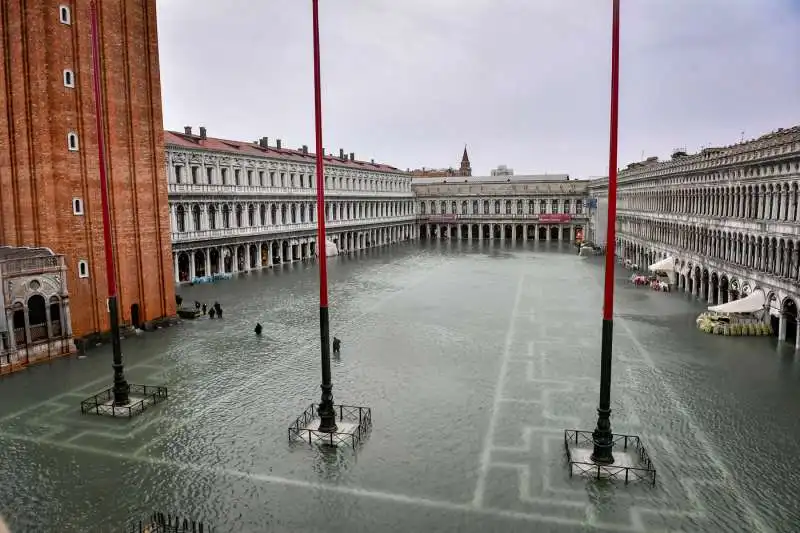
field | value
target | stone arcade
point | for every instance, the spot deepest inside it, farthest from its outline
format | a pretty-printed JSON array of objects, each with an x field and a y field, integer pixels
[
  {"x": 541, "y": 208},
  {"x": 728, "y": 216},
  {"x": 238, "y": 206},
  {"x": 35, "y": 324}
]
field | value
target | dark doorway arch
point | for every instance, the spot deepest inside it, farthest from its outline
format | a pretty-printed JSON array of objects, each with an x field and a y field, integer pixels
[
  {"x": 790, "y": 317},
  {"x": 37, "y": 317},
  {"x": 135, "y": 318}
]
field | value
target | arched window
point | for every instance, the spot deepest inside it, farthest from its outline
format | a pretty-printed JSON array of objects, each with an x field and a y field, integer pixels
[
  {"x": 37, "y": 317},
  {"x": 486, "y": 207},
  {"x": 443, "y": 206},
  {"x": 238, "y": 215},
  {"x": 212, "y": 216},
  {"x": 422, "y": 208},
  {"x": 196, "y": 217},
  {"x": 263, "y": 214},
  {"x": 497, "y": 207},
  {"x": 508, "y": 207},
  {"x": 454, "y": 207},
  {"x": 293, "y": 211},
  {"x": 283, "y": 214},
  {"x": 302, "y": 211},
  {"x": 311, "y": 212},
  {"x": 519, "y": 207},
  {"x": 64, "y": 15},
  {"x": 180, "y": 218},
  {"x": 464, "y": 207},
  {"x": 19, "y": 325},
  {"x": 274, "y": 215},
  {"x": 251, "y": 215},
  {"x": 226, "y": 216},
  {"x": 72, "y": 141},
  {"x": 83, "y": 269},
  {"x": 69, "y": 78},
  {"x": 433, "y": 207}
]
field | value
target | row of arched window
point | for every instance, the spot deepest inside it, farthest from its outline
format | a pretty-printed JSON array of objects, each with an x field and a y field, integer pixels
[
  {"x": 484, "y": 207},
  {"x": 234, "y": 176},
  {"x": 212, "y": 216}
]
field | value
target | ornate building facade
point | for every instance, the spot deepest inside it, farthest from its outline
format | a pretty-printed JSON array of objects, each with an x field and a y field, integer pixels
[
  {"x": 237, "y": 206},
  {"x": 36, "y": 323},
  {"x": 729, "y": 218},
  {"x": 49, "y": 171},
  {"x": 540, "y": 208}
]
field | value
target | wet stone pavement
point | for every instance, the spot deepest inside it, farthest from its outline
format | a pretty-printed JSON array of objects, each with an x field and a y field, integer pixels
[{"x": 474, "y": 359}]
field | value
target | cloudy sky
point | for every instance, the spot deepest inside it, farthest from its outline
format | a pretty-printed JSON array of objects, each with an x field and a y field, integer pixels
[{"x": 521, "y": 82}]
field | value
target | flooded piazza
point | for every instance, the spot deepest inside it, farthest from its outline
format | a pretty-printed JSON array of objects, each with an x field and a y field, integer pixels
[{"x": 474, "y": 357}]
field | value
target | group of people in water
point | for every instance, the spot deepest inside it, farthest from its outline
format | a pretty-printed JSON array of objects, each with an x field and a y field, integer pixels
[{"x": 216, "y": 309}]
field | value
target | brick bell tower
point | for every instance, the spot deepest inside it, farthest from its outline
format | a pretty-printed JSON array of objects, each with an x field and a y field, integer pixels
[{"x": 49, "y": 173}]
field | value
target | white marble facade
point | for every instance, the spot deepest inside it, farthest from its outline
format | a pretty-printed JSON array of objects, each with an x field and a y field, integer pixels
[
  {"x": 233, "y": 213},
  {"x": 728, "y": 216}
]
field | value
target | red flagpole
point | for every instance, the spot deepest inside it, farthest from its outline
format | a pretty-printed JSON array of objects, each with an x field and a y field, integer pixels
[
  {"x": 120, "y": 388},
  {"x": 611, "y": 231},
  {"x": 325, "y": 411},
  {"x": 602, "y": 436}
]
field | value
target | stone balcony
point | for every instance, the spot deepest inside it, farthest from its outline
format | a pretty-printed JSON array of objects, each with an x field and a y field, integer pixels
[
  {"x": 188, "y": 189},
  {"x": 745, "y": 225},
  {"x": 493, "y": 217},
  {"x": 280, "y": 229}
]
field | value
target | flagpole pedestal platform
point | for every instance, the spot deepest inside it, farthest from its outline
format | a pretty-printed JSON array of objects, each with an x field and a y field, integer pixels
[
  {"x": 631, "y": 461},
  {"x": 140, "y": 398},
  {"x": 353, "y": 425}
]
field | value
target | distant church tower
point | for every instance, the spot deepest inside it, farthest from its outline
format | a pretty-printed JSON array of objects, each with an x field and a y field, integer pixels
[{"x": 466, "y": 169}]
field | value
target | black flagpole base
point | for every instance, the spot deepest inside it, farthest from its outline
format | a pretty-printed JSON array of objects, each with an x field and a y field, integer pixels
[
  {"x": 121, "y": 388},
  {"x": 602, "y": 435},
  {"x": 326, "y": 412}
]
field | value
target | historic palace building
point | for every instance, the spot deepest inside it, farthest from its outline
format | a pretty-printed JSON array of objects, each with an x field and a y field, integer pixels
[
  {"x": 50, "y": 207},
  {"x": 541, "y": 208},
  {"x": 237, "y": 206},
  {"x": 728, "y": 217}
]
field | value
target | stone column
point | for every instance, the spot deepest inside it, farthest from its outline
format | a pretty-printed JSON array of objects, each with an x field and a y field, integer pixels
[
  {"x": 177, "y": 272},
  {"x": 191, "y": 265},
  {"x": 207, "y": 255},
  {"x": 782, "y": 327}
]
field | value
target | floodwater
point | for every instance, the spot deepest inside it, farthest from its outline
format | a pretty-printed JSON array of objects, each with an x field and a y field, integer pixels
[{"x": 474, "y": 359}]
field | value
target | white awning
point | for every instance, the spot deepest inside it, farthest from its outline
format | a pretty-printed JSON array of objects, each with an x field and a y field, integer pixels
[
  {"x": 665, "y": 265},
  {"x": 749, "y": 304}
]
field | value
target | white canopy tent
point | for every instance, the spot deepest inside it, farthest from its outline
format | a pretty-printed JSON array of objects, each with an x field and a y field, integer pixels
[
  {"x": 749, "y": 304},
  {"x": 665, "y": 265},
  {"x": 331, "y": 249}
]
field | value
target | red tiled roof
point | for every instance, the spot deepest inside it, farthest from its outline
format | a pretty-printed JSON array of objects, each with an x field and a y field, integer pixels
[{"x": 175, "y": 138}]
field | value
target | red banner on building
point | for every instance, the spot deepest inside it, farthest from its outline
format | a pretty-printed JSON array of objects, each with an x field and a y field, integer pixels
[{"x": 555, "y": 217}]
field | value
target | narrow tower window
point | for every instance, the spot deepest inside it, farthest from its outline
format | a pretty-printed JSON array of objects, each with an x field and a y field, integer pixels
[
  {"x": 69, "y": 78},
  {"x": 77, "y": 206},
  {"x": 72, "y": 141},
  {"x": 64, "y": 15},
  {"x": 83, "y": 269}
]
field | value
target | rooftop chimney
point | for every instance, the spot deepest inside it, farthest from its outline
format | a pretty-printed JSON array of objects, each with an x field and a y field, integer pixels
[
  {"x": 202, "y": 132},
  {"x": 278, "y": 144},
  {"x": 187, "y": 130},
  {"x": 305, "y": 149},
  {"x": 352, "y": 156},
  {"x": 341, "y": 153},
  {"x": 264, "y": 142}
]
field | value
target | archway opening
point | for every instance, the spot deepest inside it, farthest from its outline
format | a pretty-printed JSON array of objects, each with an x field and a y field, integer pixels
[
  {"x": 485, "y": 232},
  {"x": 542, "y": 233},
  {"x": 135, "y": 319},
  {"x": 714, "y": 289},
  {"x": 214, "y": 260},
  {"x": 454, "y": 232},
  {"x": 554, "y": 231},
  {"x": 508, "y": 232},
  {"x": 55, "y": 316},
  {"x": 790, "y": 318},
  {"x": 723, "y": 289},
  {"x": 37, "y": 317},
  {"x": 497, "y": 231},
  {"x": 183, "y": 266},
  {"x": 464, "y": 231},
  {"x": 519, "y": 231},
  {"x": 199, "y": 263}
]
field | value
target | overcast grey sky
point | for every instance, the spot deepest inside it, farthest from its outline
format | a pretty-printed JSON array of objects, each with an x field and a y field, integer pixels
[{"x": 521, "y": 82}]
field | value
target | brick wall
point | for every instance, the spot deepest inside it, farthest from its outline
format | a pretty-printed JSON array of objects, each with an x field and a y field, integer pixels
[{"x": 39, "y": 176}]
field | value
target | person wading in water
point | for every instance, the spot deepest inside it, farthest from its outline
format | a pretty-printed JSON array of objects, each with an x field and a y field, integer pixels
[
  {"x": 258, "y": 329},
  {"x": 337, "y": 344}
]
